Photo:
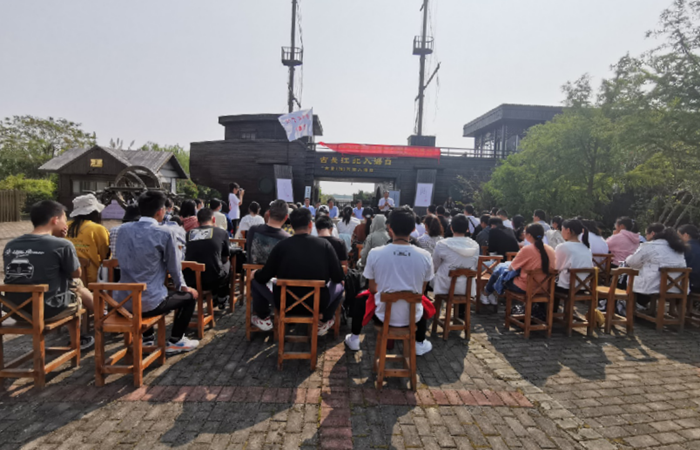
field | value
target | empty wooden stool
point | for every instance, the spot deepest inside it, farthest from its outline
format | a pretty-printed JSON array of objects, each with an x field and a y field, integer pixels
[
  {"x": 405, "y": 334},
  {"x": 536, "y": 292},
  {"x": 612, "y": 294},
  {"x": 131, "y": 325},
  {"x": 583, "y": 285},
  {"x": 486, "y": 266},
  {"x": 672, "y": 278},
  {"x": 283, "y": 318},
  {"x": 37, "y": 328},
  {"x": 451, "y": 321},
  {"x": 204, "y": 316}
]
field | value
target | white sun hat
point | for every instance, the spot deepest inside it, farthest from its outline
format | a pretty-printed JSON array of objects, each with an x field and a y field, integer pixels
[{"x": 85, "y": 204}]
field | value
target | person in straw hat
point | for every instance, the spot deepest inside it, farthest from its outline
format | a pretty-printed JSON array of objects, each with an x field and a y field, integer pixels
[{"x": 90, "y": 238}]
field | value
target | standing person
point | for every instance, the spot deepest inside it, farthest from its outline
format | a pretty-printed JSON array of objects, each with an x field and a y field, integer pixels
[
  {"x": 386, "y": 203},
  {"x": 378, "y": 237},
  {"x": 573, "y": 253},
  {"x": 188, "y": 213},
  {"x": 85, "y": 231},
  {"x": 261, "y": 239},
  {"x": 301, "y": 257},
  {"x": 433, "y": 234},
  {"x": 624, "y": 242},
  {"x": 503, "y": 215},
  {"x": 332, "y": 209},
  {"x": 307, "y": 205},
  {"x": 691, "y": 236},
  {"x": 540, "y": 217},
  {"x": 220, "y": 220},
  {"x": 473, "y": 221},
  {"x": 357, "y": 212},
  {"x": 44, "y": 257},
  {"x": 457, "y": 252},
  {"x": 449, "y": 204},
  {"x": 235, "y": 198},
  {"x": 252, "y": 219},
  {"x": 398, "y": 266},
  {"x": 554, "y": 236},
  {"x": 444, "y": 221},
  {"x": 148, "y": 252}
]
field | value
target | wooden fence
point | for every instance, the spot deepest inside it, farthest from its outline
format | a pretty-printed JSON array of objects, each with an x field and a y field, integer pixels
[{"x": 11, "y": 204}]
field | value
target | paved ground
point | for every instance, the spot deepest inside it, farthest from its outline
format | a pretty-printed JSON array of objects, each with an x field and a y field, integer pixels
[{"x": 495, "y": 391}]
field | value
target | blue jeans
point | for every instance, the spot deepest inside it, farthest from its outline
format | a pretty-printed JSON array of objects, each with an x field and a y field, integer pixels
[{"x": 500, "y": 271}]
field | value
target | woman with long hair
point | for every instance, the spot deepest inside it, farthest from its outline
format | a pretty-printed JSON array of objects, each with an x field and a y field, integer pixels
[
  {"x": 434, "y": 232},
  {"x": 664, "y": 248},
  {"x": 347, "y": 222},
  {"x": 554, "y": 237},
  {"x": 420, "y": 228},
  {"x": 85, "y": 231},
  {"x": 378, "y": 237},
  {"x": 573, "y": 253},
  {"x": 188, "y": 214},
  {"x": 361, "y": 232}
]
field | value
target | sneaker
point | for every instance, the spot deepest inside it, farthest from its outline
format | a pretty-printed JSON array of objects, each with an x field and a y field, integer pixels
[
  {"x": 221, "y": 302},
  {"x": 352, "y": 342},
  {"x": 183, "y": 345},
  {"x": 484, "y": 299},
  {"x": 149, "y": 341},
  {"x": 262, "y": 324},
  {"x": 423, "y": 347},
  {"x": 324, "y": 327},
  {"x": 86, "y": 342},
  {"x": 493, "y": 300}
]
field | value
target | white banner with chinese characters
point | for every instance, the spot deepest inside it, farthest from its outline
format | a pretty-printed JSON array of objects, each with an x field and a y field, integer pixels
[{"x": 298, "y": 124}]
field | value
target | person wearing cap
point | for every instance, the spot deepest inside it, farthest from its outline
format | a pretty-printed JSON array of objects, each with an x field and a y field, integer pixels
[{"x": 90, "y": 238}]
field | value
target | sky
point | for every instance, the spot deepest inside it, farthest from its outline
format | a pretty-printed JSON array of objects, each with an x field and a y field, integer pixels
[{"x": 164, "y": 70}]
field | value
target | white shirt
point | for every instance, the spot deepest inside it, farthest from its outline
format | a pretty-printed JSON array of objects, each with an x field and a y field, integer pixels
[
  {"x": 508, "y": 224},
  {"x": 348, "y": 228},
  {"x": 247, "y": 222},
  {"x": 334, "y": 232},
  {"x": 473, "y": 223},
  {"x": 220, "y": 221},
  {"x": 386, "y": 203},
  {"x": 598, "y": 244},
  {"x": 234, "y": 206},
  {"x": 398, "y": 268},
  {"x": 571, "y": 255},
  {"x": 419, "y": 231}
]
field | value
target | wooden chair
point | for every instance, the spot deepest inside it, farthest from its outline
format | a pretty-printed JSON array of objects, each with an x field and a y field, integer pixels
[
  {"x": 671, "y": 278},
  {"x": 84, "y": 264},
  {"x": 536, "y": 292},
  {"x": 236, "y": 279},
  {"x": 131, "y": 325},
  {"x": 485, "y": 268},
  {"x": 237, "y": 242},
  {"x": 603, "y": 261},
  {"x": 249, "y": 327},
  {"x": 405, "y": 334},
  {"x": 510, "y": 256},
  {"x": 203, "y": 318},
  {"x": 37, "y": 328},
  {"x": 484, "y": 250},
  {"x": 692, "y": 314},
  {"x": 583, "y": 284},
  {"x": 613, "y": 295},
  {"x": 282, "y": 318},
  {"x": 110, "y": 265},
  {"x": 452, "y": 321}
]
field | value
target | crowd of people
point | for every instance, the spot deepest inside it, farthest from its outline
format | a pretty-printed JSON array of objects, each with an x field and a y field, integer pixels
[{"x": 401, "y": 251}]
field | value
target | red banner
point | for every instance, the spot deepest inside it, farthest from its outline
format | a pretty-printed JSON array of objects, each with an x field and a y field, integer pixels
[{"x": 384, "y": 150}]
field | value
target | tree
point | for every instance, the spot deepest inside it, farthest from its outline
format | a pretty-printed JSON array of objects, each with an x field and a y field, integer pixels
[
  {"x": 27, "y": 142},
  {"x": 182, "y": 155}
]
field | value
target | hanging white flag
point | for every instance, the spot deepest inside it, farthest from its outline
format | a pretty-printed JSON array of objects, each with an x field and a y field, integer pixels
[{"x": 298, "y": 124}]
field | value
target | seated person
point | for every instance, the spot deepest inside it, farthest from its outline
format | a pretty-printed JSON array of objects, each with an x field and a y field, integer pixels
[
  {"x": 444, "y": 221},
  {"x": 596, "y": 243},
  {"x": 220, "y": 218},
  {"x": 324, "y": 227},
  {"x": 483, "y": 237},
  {"x": 474, "y": 224},
  {"x": 554, "y": 237},
  {"x": 188, "y": 214},
  {"x": 250, "y": 220},
  {"x": 300, "y": 257},
  {"x": 572, "y": 254},
  {"x": 131, "y": 214},
  {"x": 378, "y": 237},
  {"x": 420, "y": 228},
  {"x": 691, "y": 236},
  {"x": 208, "y": 244},
  {"x": 664, "y": 248},
  {"x": 458, "y": 251},
  {"x": 398, "y": 266},
  {"x": 147, "y": 253},
  {"x": 261, "y": 239},
  {"x": 44, "y": 257},
  {"x": 433, "y": 234},
  {"x": 624, "y": 241},
  {"x": 85, "y": 231},
  {"x": 502, "y": 239}
]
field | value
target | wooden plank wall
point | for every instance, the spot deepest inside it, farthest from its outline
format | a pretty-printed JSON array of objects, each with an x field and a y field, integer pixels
[{"x": 11, "y": 204}]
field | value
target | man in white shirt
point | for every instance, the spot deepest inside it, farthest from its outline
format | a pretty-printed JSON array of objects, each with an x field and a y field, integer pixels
[
  {"x": 219, "y": 218},
  {"x": 307, "y": 205},
  {"x": 386, "y": 203},
  {"x": 398, "y": 266},
  {"x": 541, "y": 218},
  {"x": 473, "y": 220},
  {"x": 503, "y": 215},
  {"x": 357, "y": 211}
]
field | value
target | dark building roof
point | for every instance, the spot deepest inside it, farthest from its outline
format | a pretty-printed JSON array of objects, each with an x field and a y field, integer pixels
[
  {"x": 252, "y": 118},
  {"x": 524, "y": 113},
  {"x": 146, "y": 158}
]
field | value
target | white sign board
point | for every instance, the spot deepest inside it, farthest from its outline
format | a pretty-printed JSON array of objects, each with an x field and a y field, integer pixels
[
  {"x": 424, "y": 195},
  {"x": 307, "y": 192},
  {"x": 284, "y": 190}
]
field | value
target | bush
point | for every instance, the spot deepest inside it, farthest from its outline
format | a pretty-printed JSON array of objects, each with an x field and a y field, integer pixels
[{"x": 36, "y": 190}]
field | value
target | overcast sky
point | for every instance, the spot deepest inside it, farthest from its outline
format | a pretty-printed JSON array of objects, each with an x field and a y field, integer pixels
[{"x": 164, "y": 70}]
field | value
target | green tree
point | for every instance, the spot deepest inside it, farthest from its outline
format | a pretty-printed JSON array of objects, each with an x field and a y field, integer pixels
[
  {"x": 182, "y": 155},
  {"x": 27, "y": 142},
  {"x": 36, "y": 190}
]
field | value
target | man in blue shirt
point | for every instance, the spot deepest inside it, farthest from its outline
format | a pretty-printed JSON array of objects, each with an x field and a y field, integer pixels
[
  {"x": 307, "y": 205},
  {"x": 147, "y": 253},
  {"x": 332, "y": 209},
  {"x": 357, "y": 211}
]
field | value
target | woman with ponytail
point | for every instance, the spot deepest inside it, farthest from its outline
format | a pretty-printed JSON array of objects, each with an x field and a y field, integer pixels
[
  {"x": 348, "y": 221},
  {"x": 538, "y": 256},
  {"x": 573, "y": 253}
]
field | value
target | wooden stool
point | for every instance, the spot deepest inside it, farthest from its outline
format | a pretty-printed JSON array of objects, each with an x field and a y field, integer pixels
[
  {"x": 249, "y": 327},
  {"x": 536, "y": 292},
  {"x": 603, "y": 261},
  {"x": 510, "y": 256},
  {"x": 671, "y": 278},
  {"x": 236, "y": 279},
  {"x": 203, "y": 318},
  {"x": 613, "y": 295},
  {"x": 282, "y": 319},
  {"x": 132, "y": 325},
  {"x": 35, "y": 326},
  {"x": 452, "y": 321},
  {"x": 583, "y": 284},
  {"x": 692, "y": 314},
  {"x": 405, "y": 334},
  {"x": 485, "y": 268}
]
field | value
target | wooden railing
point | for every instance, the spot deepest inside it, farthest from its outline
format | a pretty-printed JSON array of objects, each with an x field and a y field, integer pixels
[{"x": 11, "y": 203}]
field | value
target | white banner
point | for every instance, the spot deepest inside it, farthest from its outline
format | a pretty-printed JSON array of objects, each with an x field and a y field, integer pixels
[
  {"x": 424, "y": 194},
  {"x": 284, "y": 190},
  {"x": 298, "y": 124}
]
